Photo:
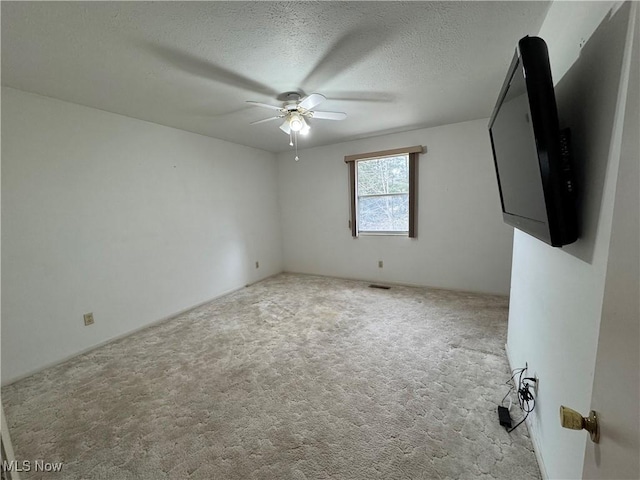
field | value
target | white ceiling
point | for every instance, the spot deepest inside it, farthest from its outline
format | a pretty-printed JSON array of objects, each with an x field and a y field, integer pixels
[{"x": 391, "y": 66}]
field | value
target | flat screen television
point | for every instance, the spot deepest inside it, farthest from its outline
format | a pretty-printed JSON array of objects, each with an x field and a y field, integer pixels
[{"x": 531, "y": 155}]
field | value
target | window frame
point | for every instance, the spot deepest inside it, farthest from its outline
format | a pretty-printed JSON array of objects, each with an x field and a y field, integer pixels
[{"x": 351, "y": 160}]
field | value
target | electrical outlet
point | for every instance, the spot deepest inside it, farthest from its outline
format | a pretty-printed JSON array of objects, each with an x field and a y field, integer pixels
[
  {"x": 380, "y": 264},
  {"x": 257, "y": 264},
  {"x": 88, "y": 319}
]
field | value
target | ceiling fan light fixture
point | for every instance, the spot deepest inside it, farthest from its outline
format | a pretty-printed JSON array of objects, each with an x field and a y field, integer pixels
[
  {"x": 295, "y": 112},
  {"x": 296, "y": 122},
  {"x": 285, "y": 127}
]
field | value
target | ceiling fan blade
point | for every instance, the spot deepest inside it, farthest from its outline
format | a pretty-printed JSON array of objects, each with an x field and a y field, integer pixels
[
  {"x": 355, "y": 96},
  {"x": 266, "y": 120},
  {"x": 311, "y": 101},
  {"x": 203, "y": 68},
  {"x": 212, "y": 112},
  {"x": 348, "y": 50},
  {"x": 265, "y": 105},
  {"x": 329, "y": 115},
  {"x": 285, "y": 127}
]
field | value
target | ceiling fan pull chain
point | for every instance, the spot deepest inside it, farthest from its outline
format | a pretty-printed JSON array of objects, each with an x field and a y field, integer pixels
[
  {"x": 290, "y": 140},
  {"x": 295, "y": 136}
]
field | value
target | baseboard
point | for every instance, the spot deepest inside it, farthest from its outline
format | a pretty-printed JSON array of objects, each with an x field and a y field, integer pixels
[
  {"x": 532, "y": 434},
  {"x": 253, "y": 283},
  {"x": 377, "y": 281},
  {"x": 126, "y": 334}
]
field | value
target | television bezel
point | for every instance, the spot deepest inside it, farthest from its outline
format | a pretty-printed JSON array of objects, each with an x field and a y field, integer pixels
[{"x": 560, "y": 226}]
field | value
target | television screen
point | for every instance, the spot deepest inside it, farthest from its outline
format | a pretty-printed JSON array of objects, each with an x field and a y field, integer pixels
[{"x": 531, "y": 154}]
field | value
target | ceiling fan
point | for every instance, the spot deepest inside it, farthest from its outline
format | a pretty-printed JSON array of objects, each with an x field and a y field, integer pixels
[{"x": 296, "y": 112}]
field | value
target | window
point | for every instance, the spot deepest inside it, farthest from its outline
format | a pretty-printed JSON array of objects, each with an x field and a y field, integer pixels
[{"x": 383, "y": 192}]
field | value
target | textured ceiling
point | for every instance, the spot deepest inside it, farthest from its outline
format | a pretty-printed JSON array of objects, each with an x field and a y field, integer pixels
[{"x": 391, "y": 66}]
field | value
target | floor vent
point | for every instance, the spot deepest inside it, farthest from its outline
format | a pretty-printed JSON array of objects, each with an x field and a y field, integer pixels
[{"x": 373, "y": 285}]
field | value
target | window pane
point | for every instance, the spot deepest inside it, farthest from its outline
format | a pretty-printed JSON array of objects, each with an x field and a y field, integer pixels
[
  {"x": 383, "y": 175},
  {"x": 384, "y": 214}
]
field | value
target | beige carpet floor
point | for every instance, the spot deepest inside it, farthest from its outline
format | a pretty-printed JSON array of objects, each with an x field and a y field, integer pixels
[{"x": 296, "y": 377}]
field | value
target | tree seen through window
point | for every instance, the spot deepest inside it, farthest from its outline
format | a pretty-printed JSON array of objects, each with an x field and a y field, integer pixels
[{"x": 383, "y": 194}]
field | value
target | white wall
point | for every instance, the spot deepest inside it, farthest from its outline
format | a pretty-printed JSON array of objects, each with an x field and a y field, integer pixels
[
  {"x": 123, "y": 218},
  {"x": 462, "y": 242},
  {"x": 557, "y": 294}
]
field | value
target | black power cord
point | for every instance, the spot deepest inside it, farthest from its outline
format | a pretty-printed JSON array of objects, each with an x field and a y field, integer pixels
[{"x": 526, "y": 398}]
